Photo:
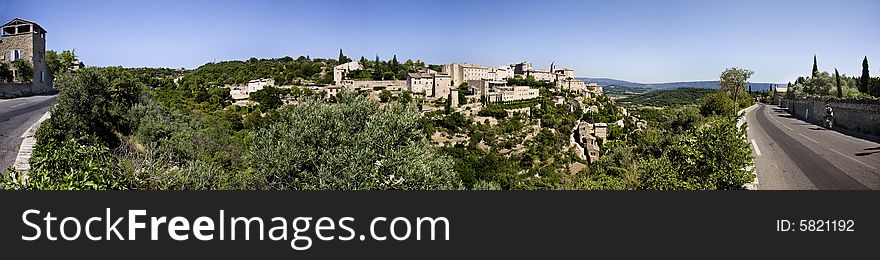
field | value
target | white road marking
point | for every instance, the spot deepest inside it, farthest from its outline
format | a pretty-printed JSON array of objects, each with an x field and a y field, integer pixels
[
  {"x": 854, "y": 159},
  {"x": 811, "y": 139},
  {"x": 757, "y": 151},
  {"x": 18, "y": 105},
  {"x": 777, "y": 121},
  {"x": 789, "y": 128}
]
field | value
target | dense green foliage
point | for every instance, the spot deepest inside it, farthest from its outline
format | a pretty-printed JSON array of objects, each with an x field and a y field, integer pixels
[
  {"x": 681, "y": 150},
  {"x": 529, "y": 81},
  {"x": 606, "y": 111},
  {"x": 268, "y": 98},
  {"x": 493, "y": 110},
  {"x": 825, "y": 84},
  {"x": 6, "y": 74},
  {"x": 60, "y": 62},
  {"x": 24, "y": 71},
  {"x": 385, "y": 70},
  {"x": 667, "y": 98},
  {"x": 354, "y": 144},
  {"x": 115, "y": 128},
  {"x": 285, "y": 71},
  {"x": 867, "y": 84}
]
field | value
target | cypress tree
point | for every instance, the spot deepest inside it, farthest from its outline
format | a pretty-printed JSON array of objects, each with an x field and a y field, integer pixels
[
  {"x": 815, "y": 67},
  {"x": 866, "y": 77},
  {"x": 837, "y": 80},
  {"x": 342, "y": 58}
]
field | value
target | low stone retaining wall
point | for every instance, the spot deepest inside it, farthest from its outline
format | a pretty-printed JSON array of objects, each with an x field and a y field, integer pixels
[
  {"x": 14, "y": 90},
  {"x": 862, "y": 116},
  {"x": 22, "y": 165}
]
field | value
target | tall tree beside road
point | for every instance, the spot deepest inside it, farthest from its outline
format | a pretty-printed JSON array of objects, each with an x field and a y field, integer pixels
[
  {"x": 864, "y": 81},
  {"x": 837, "y": 82},
  {"x": 733, "y": 80},
  {"x": 815, "y": 67}
]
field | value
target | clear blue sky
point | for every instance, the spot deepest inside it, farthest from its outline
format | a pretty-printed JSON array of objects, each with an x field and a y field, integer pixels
[{"x": 643, "y": 41}]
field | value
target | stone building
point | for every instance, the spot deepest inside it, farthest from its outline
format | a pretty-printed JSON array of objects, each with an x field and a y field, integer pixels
[
  {"x": 601, "y": 131},
  {"x": 461, "y": 73},
  {"x": 501, "y": 73},
  {"x": 521, "y": 68},
  {"x": 511, "y": 93},
  {"x": 26, "y": 40},
  {"x": 241, "y": 93},
  {"x": 591, "y": 146},
  {"x": 429, "y": 83},
  {"x": 342, "y": 69},
  {"x": 575, "y": 85}
]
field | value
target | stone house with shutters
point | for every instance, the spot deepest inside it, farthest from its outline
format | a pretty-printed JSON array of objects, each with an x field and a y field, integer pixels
[{"x": 22, "y": 39}]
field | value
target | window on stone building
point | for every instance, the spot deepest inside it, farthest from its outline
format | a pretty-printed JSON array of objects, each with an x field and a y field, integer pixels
[
  {"x": 42, "y": 76},
  {"x": 14, "y": 55}
]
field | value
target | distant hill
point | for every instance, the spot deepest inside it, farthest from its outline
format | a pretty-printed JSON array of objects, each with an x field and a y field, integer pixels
[
  {"x": 667, "y": 97},
  {"x": 640, "y": 87}
]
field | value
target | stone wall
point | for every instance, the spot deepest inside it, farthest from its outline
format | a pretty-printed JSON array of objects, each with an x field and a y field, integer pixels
[
  {"x": 14, "y": 90},
  {"x": 369, "y": 84},
  {"x": 857, "y": 115}
]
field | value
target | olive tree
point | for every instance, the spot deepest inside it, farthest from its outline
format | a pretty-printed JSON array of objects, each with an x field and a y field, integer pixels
[
  {"x": 733, "y": 81},
  {"x": 352, "y": 145}
]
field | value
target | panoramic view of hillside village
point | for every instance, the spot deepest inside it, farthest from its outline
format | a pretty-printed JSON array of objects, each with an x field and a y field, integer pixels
[{"x": 356, "y": 121}]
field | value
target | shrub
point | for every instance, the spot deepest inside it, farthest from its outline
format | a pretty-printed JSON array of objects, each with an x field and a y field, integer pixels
[
  {"x": 71, "y": 165},
  {"x": 718, "y": 103}
]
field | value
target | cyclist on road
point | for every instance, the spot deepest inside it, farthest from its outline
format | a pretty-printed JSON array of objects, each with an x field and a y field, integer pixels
[{"x": 829, "y": 115}]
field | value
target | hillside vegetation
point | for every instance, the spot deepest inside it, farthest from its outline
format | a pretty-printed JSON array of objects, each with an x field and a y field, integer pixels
[{"x": 666, "y": 98}]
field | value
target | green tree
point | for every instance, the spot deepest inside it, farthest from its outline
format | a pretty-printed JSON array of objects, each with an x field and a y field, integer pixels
[
  {"x": 864, "y": 81},
  {"x": 837, "y": 82},
  {"x": 815, "y": 67},
  {"x": 343, "y": 58},
  {"x": 394, "y": 63},
  {"x": 24, "y": 72},
  {"x": 384, "y": 96},
  {"x": 406, "y": 97},
  {"x": 67, "y": 57},
  {"x": 733, "y": 81},
  {"x": 447, "y": 106},
  {"x": 60, "y": 62},
  {"x": 53, "y": 59},
  {"x": 6, "y": 74},
  {"x": 268, "y": 98},
  {"x": 718, "y": 103}
]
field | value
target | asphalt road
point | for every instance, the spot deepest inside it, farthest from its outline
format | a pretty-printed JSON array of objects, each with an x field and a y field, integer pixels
[
  {"x": 16, "y": 116},
  {"x": 791, "y": 154}
]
